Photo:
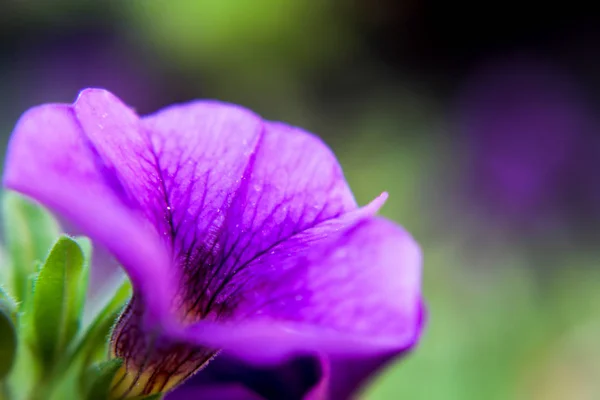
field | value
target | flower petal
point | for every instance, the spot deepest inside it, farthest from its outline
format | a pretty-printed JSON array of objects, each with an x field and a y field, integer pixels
[
  {"x": 290, "y": 380},
  {"x": 237, "y": 186},
  {"x": 345, "y": 376},
  {"x": 348, "y": 290},
  {"x": 295, "y": 183},
  {"x": 218, "y": 184},
  {"x": 214, "y": 392},
  {"x": 51, "y": 159},
  {"x": 204, "y": 150}
]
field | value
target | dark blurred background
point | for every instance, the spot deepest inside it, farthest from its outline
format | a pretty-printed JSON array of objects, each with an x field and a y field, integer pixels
[{"x": 480, "y": 119}]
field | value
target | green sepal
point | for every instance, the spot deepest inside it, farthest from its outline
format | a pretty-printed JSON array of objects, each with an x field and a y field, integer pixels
[
  {"x": 8, "y": 333},
  {"x": 25, "y": 326},
  {"x": 29, "y": 232},
  {"x": 4, "y": 296},
  {"x": 89, "y": 347},
  {"x": 56, "y": 310},
  {"x": 103, "y": 375},
  {"x": 8, "y": 343},
  {"x": 8, "y": 304},
  {"x": 85, "y": 245},
  {"x": 26, "y": 369},
  {"x": 93, "y": 343}
]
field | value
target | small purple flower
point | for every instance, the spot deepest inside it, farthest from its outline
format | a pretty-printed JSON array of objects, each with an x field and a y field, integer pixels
[
  {"x": 529, "y": 143},
  {"x": 237, "y": 234}
]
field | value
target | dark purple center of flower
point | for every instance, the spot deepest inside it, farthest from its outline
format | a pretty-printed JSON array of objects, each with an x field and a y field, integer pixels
[{"x": 152, "y": 364}]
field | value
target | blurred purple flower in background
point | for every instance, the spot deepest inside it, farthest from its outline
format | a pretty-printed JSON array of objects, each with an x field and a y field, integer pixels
[
  {"x": 237, "y": 233},
  {"x": 531, "y": 154},
  {"x": 54, "y": 66}
]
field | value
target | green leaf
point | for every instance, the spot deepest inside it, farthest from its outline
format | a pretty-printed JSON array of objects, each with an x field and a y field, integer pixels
[
  {"x": 85, "y": 245},
  {"x": 96, "y": 335},
  {"x": 56, "y": 312},
  {"x": 25, "y": 325},
  {"x": 7, "y": 303},
  {"x": 26, "y": 306},
  {"x": 26, "y": 370},
  {"x": 104, "y": 375},
  {"x": 29, "y": 232},
  {"x": 91, "y": 345},
  {"x": 5, "y": 296},
  {"x": 8, "y": 343}
]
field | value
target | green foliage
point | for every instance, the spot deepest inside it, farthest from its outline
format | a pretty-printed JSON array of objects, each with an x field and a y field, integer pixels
[
  {"x": 8, "y": 343},
  {"x": 7, "y": 303},
  {"x": 94, "y": 336},
  {"x": 101, "y": 378},
  {"x": 29, "y": 231},
  {"x": 57, "y": 304},
  {"x": 85, "y": 245},
  {"x": 228, "y": 32},
  {"x": 45, "y": 352}
]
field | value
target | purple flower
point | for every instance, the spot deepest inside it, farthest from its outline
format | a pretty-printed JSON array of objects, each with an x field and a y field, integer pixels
[
  {"x": 528, "y": 143},
  {"x": 237, "y": 234}
]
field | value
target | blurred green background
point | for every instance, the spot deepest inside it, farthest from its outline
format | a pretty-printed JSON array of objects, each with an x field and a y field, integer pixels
[{"x": 480, "y": 121}]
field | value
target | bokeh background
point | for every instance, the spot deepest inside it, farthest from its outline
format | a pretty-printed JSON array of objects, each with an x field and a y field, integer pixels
[{"x": 480, "y": 120}]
